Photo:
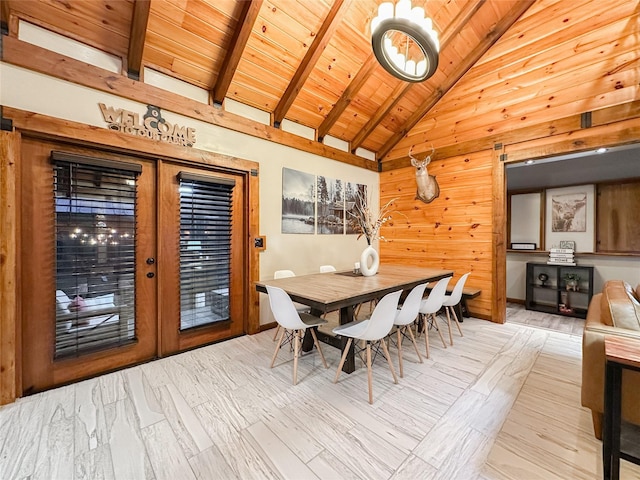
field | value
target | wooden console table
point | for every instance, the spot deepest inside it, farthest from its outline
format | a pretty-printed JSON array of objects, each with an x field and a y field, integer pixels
[{"x": 621, "y": 353}]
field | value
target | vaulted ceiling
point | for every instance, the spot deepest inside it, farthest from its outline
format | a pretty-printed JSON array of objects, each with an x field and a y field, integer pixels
[{"x": 307, "y": 61}]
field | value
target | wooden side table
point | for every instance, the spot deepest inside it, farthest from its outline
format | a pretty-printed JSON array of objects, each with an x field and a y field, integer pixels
[{"x": 621, "y": 353}]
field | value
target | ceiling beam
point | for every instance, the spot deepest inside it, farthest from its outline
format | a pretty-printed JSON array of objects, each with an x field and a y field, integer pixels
[
  {"x": 247, "y": 18},
  {"x": 139, "y": 22},
  {"x": 401, "y": 90},
  {"x": 491, "y": 38},
  {"x": 35, "y": 58},
  {"x": 349, "y": 93},
  {"x": 323, "y": 37}
]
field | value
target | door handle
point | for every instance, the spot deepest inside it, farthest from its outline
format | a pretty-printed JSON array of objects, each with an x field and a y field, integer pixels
[{"x": 151, "y": 261}]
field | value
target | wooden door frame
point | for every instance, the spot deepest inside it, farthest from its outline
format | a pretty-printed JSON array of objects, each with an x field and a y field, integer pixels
[
  {"x": 606, "y": 135},
  {"x": 43, "y": 126}
]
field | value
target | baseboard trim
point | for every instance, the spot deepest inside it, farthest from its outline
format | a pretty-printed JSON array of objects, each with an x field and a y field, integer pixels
[{"x": 267, "y": 326}]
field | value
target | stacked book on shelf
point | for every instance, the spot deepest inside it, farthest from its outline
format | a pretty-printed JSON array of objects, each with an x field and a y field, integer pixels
[{"x": 561, "y": 256}]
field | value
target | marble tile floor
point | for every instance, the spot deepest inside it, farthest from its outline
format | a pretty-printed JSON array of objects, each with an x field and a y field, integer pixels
[
  {"x": 516, "y": 313},
  {"x": 503, "y": 403}
]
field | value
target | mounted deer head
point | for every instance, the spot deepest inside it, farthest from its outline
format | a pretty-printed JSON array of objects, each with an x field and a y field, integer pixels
[{"x": 428, "y": 189}]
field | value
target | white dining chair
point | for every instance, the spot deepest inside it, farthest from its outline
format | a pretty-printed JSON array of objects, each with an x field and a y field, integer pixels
[
  {"x": 429, "y": 307},
  {"x": 299, "y": 306},
  {"x": 373, "y": 332},
  {"x": 450, "y": 301},
  {"x": 293, "y": 324},
  {"x": 405, "y": 318}
]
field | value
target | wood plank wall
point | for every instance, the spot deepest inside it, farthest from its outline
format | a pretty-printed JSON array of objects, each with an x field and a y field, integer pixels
[
  {"x": 528, "y": 93},
  {"x": 452, "y": 232}
]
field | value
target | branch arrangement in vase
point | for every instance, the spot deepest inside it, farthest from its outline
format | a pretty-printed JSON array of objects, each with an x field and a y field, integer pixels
[{"x": 365, "y": 222}]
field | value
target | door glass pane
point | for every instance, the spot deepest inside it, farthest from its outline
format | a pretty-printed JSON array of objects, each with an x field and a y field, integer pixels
[
  {"x": 95, "y": 257},
  {"x": 205, "y": 251}
]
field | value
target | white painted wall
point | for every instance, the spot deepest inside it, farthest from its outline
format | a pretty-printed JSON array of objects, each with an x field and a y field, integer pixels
[
  {"x": 525, "y": 219},
  {"x": 303, "y": 254},
  {"x": 605, "y": 268}
]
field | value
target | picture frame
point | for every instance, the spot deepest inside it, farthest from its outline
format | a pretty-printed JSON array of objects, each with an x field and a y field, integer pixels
[{"x": 570, "y": 244}]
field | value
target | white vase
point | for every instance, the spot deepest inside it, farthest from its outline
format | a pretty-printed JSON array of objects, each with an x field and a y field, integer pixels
[{"x": 369, "y": 256}]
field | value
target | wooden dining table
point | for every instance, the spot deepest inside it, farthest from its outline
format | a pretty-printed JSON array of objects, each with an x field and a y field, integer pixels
[{"x": 344, "y": 290}]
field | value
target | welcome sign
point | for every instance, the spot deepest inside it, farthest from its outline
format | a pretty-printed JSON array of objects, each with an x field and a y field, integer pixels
[{"x": 151, "y": 126}]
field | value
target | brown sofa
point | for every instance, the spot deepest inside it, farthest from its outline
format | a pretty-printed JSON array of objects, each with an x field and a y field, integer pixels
[{"x": 615, "y": 311}]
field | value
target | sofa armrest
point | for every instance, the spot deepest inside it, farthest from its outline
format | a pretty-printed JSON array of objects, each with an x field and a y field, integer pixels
[{"x": 593, "y": 369}]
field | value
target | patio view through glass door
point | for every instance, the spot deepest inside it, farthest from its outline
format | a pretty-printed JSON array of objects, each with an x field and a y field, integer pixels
[
  {"x": 205, "y": 249},
  {"x": 95, "y": 227}
]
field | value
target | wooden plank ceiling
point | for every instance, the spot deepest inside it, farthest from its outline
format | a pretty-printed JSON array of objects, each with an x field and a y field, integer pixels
[{"x": 307, "y": 61}]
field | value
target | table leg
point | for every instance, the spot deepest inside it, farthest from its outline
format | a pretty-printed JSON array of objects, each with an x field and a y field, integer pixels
[
  {"x": 346, "y": 316},
  {"x": 612, "y": 422}
]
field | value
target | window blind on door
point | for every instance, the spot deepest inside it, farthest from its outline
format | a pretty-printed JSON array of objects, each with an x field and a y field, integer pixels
[
  {"x": 95, "y": 226},
  {"x": 205, "y": 249}
]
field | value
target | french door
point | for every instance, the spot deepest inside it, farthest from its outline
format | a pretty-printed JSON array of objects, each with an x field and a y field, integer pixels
[
  {"x": 124, "y": 259},
  {"x": 203, "y": 256}
]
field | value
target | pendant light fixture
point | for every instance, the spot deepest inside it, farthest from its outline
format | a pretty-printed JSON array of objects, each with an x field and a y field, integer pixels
[{"x": 404, "y": 41}]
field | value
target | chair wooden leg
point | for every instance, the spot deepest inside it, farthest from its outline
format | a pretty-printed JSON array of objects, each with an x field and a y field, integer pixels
[
  {"x": 275, "y": 354},
  {"x": 296, "y": 354},
  {"x": 386, "y": 354},
  {"x": 275, "y": 335},
  {"x": 425, "y": 330},
  {"x": 415, "y": 345},
  {"x": 435, "y": 324},
  {"x": 369, "y": 373},
  {"x": 446, "y": 310},
  {"x": 315, "y": 342},
  {"x": 344, "y": 357},
  {"x": 399, "y": 336},
  {"x": 455, "y": 317}
]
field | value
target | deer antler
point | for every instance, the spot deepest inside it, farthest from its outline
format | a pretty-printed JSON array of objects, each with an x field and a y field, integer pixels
[{"x": 427, "y": 159}]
